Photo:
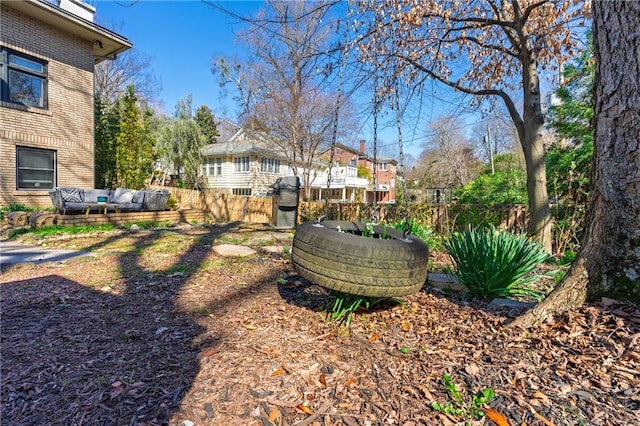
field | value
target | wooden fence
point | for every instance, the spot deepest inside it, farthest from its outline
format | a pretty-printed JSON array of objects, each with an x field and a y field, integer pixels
[
  {"x": 442, "y": 218},
  {"x": 219, "y": 207}
]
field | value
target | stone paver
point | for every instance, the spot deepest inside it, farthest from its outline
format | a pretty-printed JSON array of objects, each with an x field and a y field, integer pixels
[{"x": 233, "y": 250}]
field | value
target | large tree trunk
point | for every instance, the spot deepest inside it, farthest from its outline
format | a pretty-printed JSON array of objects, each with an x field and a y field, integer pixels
[{"x": 608, "y": 263}]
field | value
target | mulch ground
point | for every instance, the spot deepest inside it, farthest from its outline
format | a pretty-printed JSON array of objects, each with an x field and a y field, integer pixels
[{"x": 157, "y": 329}]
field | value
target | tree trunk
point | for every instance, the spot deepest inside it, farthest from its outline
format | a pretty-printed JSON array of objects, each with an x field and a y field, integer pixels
[
  {"x": 533, "y": 149},
  {"x": 608, "y": 263}
]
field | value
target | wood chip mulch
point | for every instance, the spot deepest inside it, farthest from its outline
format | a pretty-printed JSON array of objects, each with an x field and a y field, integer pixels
[{"x": 157, "y": 329}]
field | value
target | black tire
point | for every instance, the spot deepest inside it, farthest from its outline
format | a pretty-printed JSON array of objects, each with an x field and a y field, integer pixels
[{"x": 387, "y": 266}]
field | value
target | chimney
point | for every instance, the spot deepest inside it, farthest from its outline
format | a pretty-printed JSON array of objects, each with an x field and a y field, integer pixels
[
  {"x": 362, "y": 146},
  {"x": 79, "y": 8}
]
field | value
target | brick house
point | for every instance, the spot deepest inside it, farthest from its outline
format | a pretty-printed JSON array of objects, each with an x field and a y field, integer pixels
[
  {"x": 386, "y": 172},
  {"x": 47, "y": 56}
]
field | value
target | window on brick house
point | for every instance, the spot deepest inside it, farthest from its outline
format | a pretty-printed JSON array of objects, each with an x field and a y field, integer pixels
[
  {"x": 36, "y": 168},
  {"x": 382, "y": 166},
  {"x": 24, "y": 79}
]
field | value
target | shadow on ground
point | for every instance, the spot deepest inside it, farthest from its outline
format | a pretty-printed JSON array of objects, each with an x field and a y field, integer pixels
[{"x": 99, "y": 357}]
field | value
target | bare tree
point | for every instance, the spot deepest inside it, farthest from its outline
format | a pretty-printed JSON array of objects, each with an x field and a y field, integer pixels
[
  {"x": 112, "y": 77},
  {"x": 447, "y": 155},
  {"x": 282, "y": 88},
  {"x": 485, "y": 48},
  {"x": 608, "y": 263}
]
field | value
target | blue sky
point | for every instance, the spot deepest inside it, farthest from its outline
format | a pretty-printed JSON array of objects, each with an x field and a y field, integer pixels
[{"x": 182, "y": 37}]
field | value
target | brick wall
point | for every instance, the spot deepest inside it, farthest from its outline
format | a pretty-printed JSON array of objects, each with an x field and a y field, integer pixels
[
  {"x": 173, "y": 216},
  {"x": 66, "y": 126}
]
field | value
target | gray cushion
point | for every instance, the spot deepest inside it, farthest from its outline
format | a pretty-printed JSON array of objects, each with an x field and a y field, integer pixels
[
  {"x": 130, "y": 206},
  {"x": 138, "y": 196},
  {"x": 71, "y": 195},
  {"x": 75, "y": 206},
  {"x": 122, "y": 196},
  {"x": 91, "y": 195}
]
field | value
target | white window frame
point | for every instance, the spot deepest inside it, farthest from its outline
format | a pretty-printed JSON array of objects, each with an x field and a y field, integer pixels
[
  {"x": 269, "y": 165},
  {"x": 382, "y": 166},
  {"x": 212, "y": 167},
  {"x": 32, "y": 182},
  {"x": 241, "y": 165}
]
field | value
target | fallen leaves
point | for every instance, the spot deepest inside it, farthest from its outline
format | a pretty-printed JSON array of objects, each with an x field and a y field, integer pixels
[
  {"x": 268, "y": 348},
  {"x": 304, "y": 409},
  {"x": 323, "y": 380},
  {"x": 496, "y": 417},
  {"x": 351, "y": 381}
]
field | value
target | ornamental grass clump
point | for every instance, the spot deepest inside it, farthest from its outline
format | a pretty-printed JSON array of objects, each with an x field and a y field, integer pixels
[{"x": 493, "y": 263}]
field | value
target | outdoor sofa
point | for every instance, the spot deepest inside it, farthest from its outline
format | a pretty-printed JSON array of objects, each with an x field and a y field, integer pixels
[{"x": 119, "y": 199}]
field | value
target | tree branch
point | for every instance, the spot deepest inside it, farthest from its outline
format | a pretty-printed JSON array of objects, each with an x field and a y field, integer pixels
[
  {"x": 531, "y": 8},
  {"x": 511, "y": 107},
  {"x": 484, "y": 45}
]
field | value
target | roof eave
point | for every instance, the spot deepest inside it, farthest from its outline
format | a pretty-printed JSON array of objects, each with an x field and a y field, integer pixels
[{"x": 106, "y": 43}]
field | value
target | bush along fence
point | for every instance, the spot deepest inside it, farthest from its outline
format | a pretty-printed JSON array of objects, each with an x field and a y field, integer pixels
[{"x": 443, "y": 219}]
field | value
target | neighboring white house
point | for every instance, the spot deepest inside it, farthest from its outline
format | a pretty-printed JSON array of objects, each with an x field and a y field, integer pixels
[
  {"x": 246, "y": 162},
  {"x": 345, "y": 185}
]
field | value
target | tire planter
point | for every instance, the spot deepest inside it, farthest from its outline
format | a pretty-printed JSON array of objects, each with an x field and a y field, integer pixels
[{"x": 388, "y": 266}]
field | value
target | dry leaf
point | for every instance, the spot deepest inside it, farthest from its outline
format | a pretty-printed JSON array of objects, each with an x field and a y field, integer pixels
[
  {"x": 350, "y": 382},
  {"x": 472, "y": 369},
  {"x": 323, "y": 380},
  {"x": 278, "y": 372},
  {"x": 540, "y": 395},
  {"x": 543, "y": 420},
  {"x": 274, "y": 415},
  {"x": 117, "y": 390},
  {"x": 405, "y": 326},
  {"x": 374, "y": 337},
  {"x": 496, "y": 417},
  {"x": 209, "y": 352},
  {"x": 304, "y": 408}
]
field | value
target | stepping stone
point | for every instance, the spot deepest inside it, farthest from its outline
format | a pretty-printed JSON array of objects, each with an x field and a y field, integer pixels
[
  {"x": 233, "y": 250},
  {"x": 510, "y": 304},
  {"x": 272, "y": 249},
  {"x": 444, "y": 281}
]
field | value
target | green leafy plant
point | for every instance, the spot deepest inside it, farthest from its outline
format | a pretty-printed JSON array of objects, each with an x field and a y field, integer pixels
[
  {"x": 458, "y": 406},
  {"x": 368, "y": 231},
  {"x": 346, "y": 305},
  {"x": 424, "y": 233},
  {"x": 493, "y": 263},
  {"x": 15, "y": 207}
]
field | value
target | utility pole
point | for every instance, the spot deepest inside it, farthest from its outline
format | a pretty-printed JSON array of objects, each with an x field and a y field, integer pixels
[{"x": 489, "y": 145}]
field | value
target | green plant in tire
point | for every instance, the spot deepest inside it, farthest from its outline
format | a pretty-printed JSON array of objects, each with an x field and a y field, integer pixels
[
  {"x": 425, "y": 234},
  {"x": 495, "y": 263},
  {"x": 346, "y": 305}
]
